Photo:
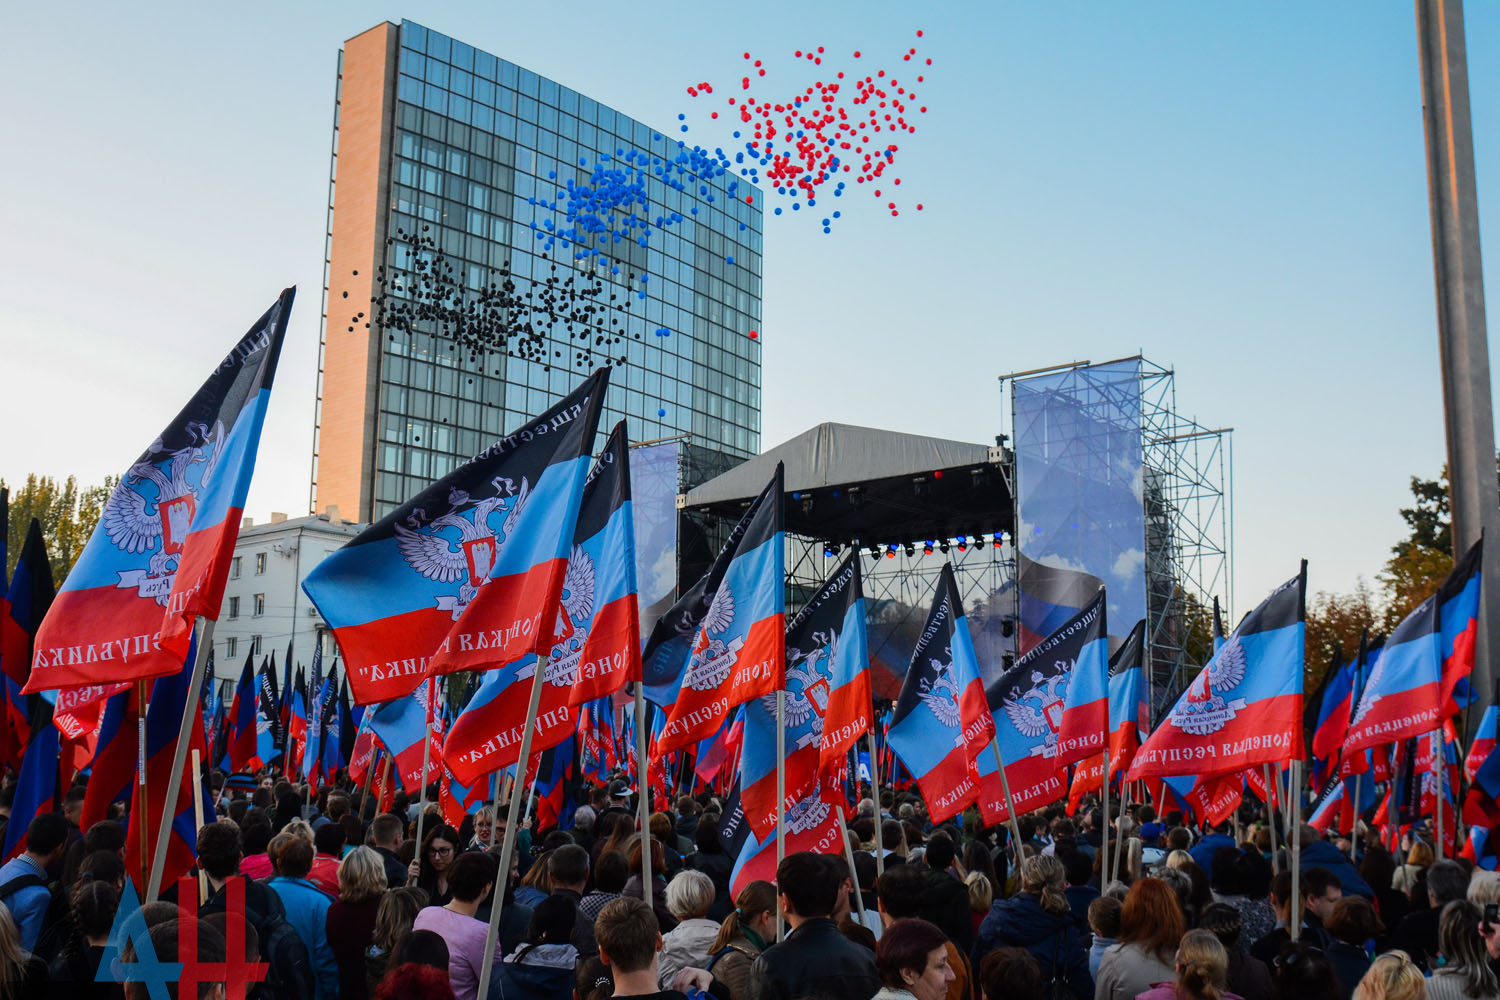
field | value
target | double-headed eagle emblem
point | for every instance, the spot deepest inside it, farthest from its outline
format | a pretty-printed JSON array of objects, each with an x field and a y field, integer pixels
[
  {"x": 1203, "y": 709},
  {"x": 713, "y": 658},
  {"x": 470, "y": 557}
]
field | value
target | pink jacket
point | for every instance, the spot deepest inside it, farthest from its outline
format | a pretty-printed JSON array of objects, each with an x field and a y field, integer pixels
[{"x": 1168, "y": 991}]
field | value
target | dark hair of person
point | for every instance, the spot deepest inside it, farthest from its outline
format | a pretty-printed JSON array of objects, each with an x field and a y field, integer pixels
[
  {"x": 46, "y": 833},
  {"x": 1447, "y": 881},
  {"x": 1078, "y": 867},
  {"x": 612, "y": 872},
  {"x": 1353, "y": 921},
  {"x": 940, "y": 851},
  {"x": 858, "y": 933},
  {"x": 93, "y": 908},
  {"x": 1223, "y": 874},
  {"x": 288, "y": 808},
  {"x": 1317, "y": 881},
  {"x": 219, "y": 920},
  {"x": 592, "y": 980},
  {"x": 551, "y": 923},
  {"x": 658, "y": 858},
  {"x": 1151, "y": 919},
  {"x": 905, "y": 945},
  {"x": 756, "y": 898},
  {"x": 414, "y": 981},
  {"x": 385, "y": 828},
  {"x": 1377, "y": 867},
  {"x": 706, "y": 837},
  {"x": 1012, "y": 974},
  {"x": 468, "y": 875},
  {"x": 219, "y": 849},
  {"x": 295, "y": 859},
  {"x": 568, "y": 865},
  {"x": 1223, "y": 921},
  {"x": 627, "y": 931},
  {"x": 165, "y": 937},
  {"x": 256, "y": 836},
  {"x": 422, "y": 947},
  {"x": 977, "y": 858},
  {"x": 438, "y": 831},
  {"x": 329, "y": 839},
  {"x": 1303, "y": 972},
  {"x": 901, "y": 890},
  {"x": 1104, "y": 916},
  {"x": 101, "y": 866},
  {"x": 810, "y": 882},
  {"x": 1253, "y": 874}
]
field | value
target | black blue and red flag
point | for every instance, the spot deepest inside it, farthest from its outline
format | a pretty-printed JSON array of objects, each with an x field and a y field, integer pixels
[
  {"x": 1485, "y": 735},
  {"x": 113, "y": 769},
  {"x": 941, "y": 721},
  {"x": 1244, "y": 708},
  {"x": 737, "y": 649},
  {"x": 467, "y": 574},
  {"x": 27, "y": 601},
  {"x": 242, "y": 751},
  {"x": 1050, "y": 597},
  {"x": 169, "y": 700},
  {"x": 812, "y": 824},
  {"x": 1401, "y": 695},
  {"x": 270, "y": 731},
  {"x": 332, "y": 757},
  {"x": 1084, "y": 729},
  {"x": 402, "y": 724},
  {"x": 1334, "y": 708},
  {"x": 1128, "y": 710},
  {"x": 1458, "y": 615},
  {"x": 596, "y": 646},
  {"x": 349, "y": 720},
  {"x": 1027, "y": 704},
  {"x": 160, "y": 555},
  {"x": 318, "y": 690},
  {"x": 296, "y": 730},
  {"x": 850, "y": 712},
  {"x": 37, "y": 783}
]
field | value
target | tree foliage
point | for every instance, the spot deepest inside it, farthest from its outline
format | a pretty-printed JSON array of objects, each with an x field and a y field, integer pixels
[{"x": 67, "y": 514}]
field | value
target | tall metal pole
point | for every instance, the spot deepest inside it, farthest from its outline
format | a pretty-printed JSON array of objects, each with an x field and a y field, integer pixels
[
  {"x": 780, "y": 797},
  {"x": 1463, "y": 341}
]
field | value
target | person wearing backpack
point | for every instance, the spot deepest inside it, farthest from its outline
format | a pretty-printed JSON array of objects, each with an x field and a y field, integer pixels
[
  {"x": 23, "y": 879},
  {"x": 1039, "y": 919},
  {"x": 289, "y": 973},
  {"x": 743, "y": 935}
]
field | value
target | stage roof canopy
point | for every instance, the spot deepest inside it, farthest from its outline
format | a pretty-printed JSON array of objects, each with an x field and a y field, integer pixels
[{"x": 846, "y": 483}]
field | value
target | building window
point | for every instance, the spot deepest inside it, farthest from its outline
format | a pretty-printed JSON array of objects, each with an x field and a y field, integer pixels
[
  {"x": 234, "y": 607},
  {"x": 260, "y": 564},
  {"x": 255, "y": 645},
  {"x": 260, "y": 605},
  {"x": 231, "y": 646},
  {"x": 234, "y": 568}
]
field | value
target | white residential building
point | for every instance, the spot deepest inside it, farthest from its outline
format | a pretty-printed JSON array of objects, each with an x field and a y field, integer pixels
[{"x": 264, "y": 607}]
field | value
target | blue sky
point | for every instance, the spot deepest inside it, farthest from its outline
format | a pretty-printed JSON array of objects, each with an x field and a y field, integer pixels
[{"x": 1237, "y": 191}]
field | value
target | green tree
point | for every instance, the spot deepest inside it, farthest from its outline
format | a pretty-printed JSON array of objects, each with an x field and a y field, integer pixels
[
  {"x": 1335, "y": 623},
  {"x": 67, "y": 515}
]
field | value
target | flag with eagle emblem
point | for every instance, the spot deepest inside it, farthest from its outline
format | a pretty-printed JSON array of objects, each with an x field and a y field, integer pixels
[
  {"x": 738, "y": 625},
  {"x": 596, "y": 647},
  {"x": 1244, "y": 708},
  {"x": 160, "y": 555},
  {"x": 466, "y": 575},
  {"x": 941, "y": 722},
  {"x": 1400, "y": 697}
]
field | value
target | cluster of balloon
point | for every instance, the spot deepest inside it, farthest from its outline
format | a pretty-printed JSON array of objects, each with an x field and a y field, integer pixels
[
  {"x": 422, "y": 292},
  {"x": 838, "y": 126}
]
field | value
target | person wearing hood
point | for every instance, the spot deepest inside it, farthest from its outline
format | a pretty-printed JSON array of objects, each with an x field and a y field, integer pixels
[
  {"x": 543, "y": 967},
  {"x": 1039, "y": 919}
]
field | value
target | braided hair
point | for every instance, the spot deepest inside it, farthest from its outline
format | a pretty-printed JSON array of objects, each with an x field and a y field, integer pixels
[{"x": 93, "y": 908}]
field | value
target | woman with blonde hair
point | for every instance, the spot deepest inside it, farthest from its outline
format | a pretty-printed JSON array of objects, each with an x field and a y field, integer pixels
[
  {"x": 1202, "y": 971},
  {"x": 744, "y": 934},
  {"x": 1039, "y": 919},
  {"x": 1418, "y": 860},
  {"x": 1392, "y": 976},
  {"x": 22, "y": 974},
  {"x": 1179, "y": 859},
  {"x": 981, "y": 896},
  {"x": 1465, "y": 973},
  {"x": 350, "y": 924},
  {"x": 398, "y": 911}
]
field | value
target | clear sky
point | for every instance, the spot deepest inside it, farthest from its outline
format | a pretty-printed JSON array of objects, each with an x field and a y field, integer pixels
[{"x": 1236, "y": 190}]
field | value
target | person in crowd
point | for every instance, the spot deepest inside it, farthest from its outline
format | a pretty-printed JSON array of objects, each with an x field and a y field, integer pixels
[
  {"x": 1319, "y": 853},
  {"x": 665, "y": 833},
  {"x": 1322, "y": 891},
  {"x": 1417, "y": 933},
  {"x": 945, "y": 901},
  {"x": 1039, "y": 919},
  {"x": 350, "y": 924},
  {"x": 93, "y": 908},
  {"x": 1302, "y": 972},
  {"x": 1352, "y": 928},
  {"x": 1378, "y": 869},
  {"x": 1151, "y": 925},
  {"x": 1392, "y": 976},
  {"x": 430, "y": 868},
  {"x": 610, "y": 875},
  {"x": 1268, "y": 947},
  {"x": 418, "y": 947},
  {"x": 1010, "y": 974},
  {"x": 167, "y": 937},
  {"x": 536, "y": 885},
  {"x": 470, "y": 878},
  {"x": 1466, "y": 972},
  {"x": 1214, "y": 840},
  {"x": 1202, "y": 968},
  {"x": 256, "y": 863},
  {"x": 1248, "y": 977},
  {"x": 484, "y": 829},
  {"x": 542, "y": 968},
  {"x": 414, "y": 982},
  {"x": 742, "y": 936},
  {"x": 690, "y": 943},
  {"x": 328, "y": 851},
  {"x": 981, "y": 897},
  {"x": 1104, "y": 925},
  {"x": 912, "y": 962},
  {"x": 24, "y": 878},
  {"x": 633, "y": 887},
  {"x": 398, "y": 912},
  {"x": 568, "y": 873},
  {"x": 900, "y": 893},
  {"x": 1418, "y": 859},
  {"x": 385, "y": 838},
  {"x": 629, "y": 942},
  {"x": 814, "y": 958},
  {"x": 307, "y": 911},
  {"x": 710, "y": 859}
]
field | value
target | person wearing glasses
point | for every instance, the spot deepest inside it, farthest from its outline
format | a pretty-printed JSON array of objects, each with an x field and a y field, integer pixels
[{"x": 430, "y": 867}]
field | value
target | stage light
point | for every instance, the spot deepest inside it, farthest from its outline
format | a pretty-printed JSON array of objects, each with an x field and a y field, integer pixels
[
  {"x": 944, "y": 547},
  {"x": 999, "y": 538},
  {"x": 961, "y": 540},
  {"x": 937, "y": 474},
  {"x": 979, "y": 541},
  {"x": 796, "y": 495},
  {"x": 828, "y": 552},
  {"x": 890, "y": 553},
  {"x": 963, "y": 546},
  {"x": 927, "y": 549},
  {"x": 910, "y": 549}
]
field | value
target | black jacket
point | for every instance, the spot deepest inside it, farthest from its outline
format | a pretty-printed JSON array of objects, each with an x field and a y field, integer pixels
[
  {"x": 1053, "y": 939},
  {"x": 395, "y": 871},
  {"x": 946, "y": 904},
  {"x": 815, "y": 961},
  {"x": 717, "y": 867}
]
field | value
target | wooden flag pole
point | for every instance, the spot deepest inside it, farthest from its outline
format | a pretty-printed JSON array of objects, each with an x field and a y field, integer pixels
[
  {"x": 199, "y": 813},
  {"x": 1354, "y": 827},
  {"x": 385, "y": 783},
  {"x": 859, "y": 897},
  {"x": 508, "y": 845},
  {"x": 426, "y": 759},
  {"x": 179, "y": 760},
  {"x": 364, "y": 792},
  {"x": 1436, "y": 745},
  {"x": 875, "y": 792},
  {"x": 780, "y": 796},
  {"x": 1010, "y": 807}
]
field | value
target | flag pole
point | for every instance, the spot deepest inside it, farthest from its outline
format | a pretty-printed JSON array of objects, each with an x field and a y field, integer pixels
[
  {"x": 364, "y": 792},
  {"x": 1354, "y": 826},
  {"x": 508, "y": 845},
  {"x": 179, "y": 761},
  {"x": 1296, "y": 858},
  {"x": 1010, "y": 808},
  {"x": 643, "y": 792},
  {"x": 426, "y": 759},
  {"x": 1104, "y": 879},
  {"x": 859, "y": 897},
  {"x": 781, "y": 795},
  {"x": 1436, "y": 742},
  {"x": 198, "y": 812},
  {"x": 140, "y": 772},
  {"x": 1265, "y": 770},
  {"x": 875, "y": 791},
  {"x": 494, "y": 806}
]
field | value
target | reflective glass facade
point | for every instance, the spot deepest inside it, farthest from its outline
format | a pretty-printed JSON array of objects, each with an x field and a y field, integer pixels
[{"x": 472, "y": 140}]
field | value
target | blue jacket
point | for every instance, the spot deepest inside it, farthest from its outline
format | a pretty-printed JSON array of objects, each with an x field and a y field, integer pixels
[
  {"x": 1322, "y": 854},
  {"x": 307, "y": 911},
  {"x": 28, "y": 906},
  {"x": 1052, "y": 939},
  {"x": 1203, "y": 854}
]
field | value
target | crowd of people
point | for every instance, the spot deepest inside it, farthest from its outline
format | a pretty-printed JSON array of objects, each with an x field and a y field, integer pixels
[{"x": 338, "y": 901}]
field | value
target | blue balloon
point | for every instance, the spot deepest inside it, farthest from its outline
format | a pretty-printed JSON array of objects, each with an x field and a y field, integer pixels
[{"x": 661, "y": 413}]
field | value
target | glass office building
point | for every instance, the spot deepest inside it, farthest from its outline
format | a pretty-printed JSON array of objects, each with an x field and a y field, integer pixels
[{"x": 429, "y": 131}]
